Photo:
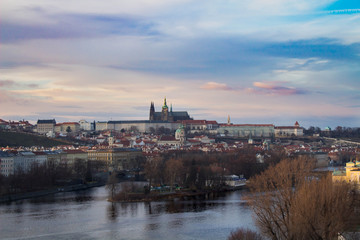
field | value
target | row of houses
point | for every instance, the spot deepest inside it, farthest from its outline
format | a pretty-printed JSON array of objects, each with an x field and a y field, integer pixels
[{"x": 113, "y": 159}]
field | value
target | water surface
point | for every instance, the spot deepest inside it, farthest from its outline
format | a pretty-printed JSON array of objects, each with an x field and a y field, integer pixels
[{"x": 88, "y": 215}]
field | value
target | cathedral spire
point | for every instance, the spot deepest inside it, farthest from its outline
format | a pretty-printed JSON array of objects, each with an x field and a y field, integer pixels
[
  {"x": 152, "y": 111},
  {"x": 165, "y": 105},
  {"x": 171, "y": 108},
  {"x": 228, "y": 120}
]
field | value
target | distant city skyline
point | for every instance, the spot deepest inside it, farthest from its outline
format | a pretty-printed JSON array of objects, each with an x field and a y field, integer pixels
[{"x": 258, "y": 61}]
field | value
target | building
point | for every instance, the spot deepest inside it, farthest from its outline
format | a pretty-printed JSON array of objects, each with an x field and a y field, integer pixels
[
  {"x": 351, "y": 173},
  {"x": 200, "y": 126},
  {"x": 180, "y": 134},
  {"x": 45, "y": 126},
  {"x": 40, "y": 157},
  {"x": 286, "y": 131},
  {"x": 23, "y": 161},
  {"x": 246, "y": 130},
  {"x": 116, "y": 158},
  {"x": 142, "y": 126},
  {"x": 67, "y": 127},
  {"x": 170, "y": 141},
  {"x": 86, "y": 126},
  {"x": 167, "y": 115},
  {"x": 72, "y": 155},
  {"x": 101, "y": 126},
  {"x": 6, "y": 163}
]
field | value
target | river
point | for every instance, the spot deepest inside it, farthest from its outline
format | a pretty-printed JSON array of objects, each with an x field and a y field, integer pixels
[{"x": 88, "y": 215}]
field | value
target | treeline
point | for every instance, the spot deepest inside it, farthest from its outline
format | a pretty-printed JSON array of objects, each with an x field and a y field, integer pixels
[
  {"x": 345, "y": 132},
  {"x": 338, "y": 132},
  {"x": 49, "y": 175},
  {"x": 199, "y": 171}
]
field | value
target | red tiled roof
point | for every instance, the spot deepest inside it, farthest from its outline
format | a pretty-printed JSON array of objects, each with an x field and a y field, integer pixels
[
  {"x": 167, "y": 138},
  {"x": 194, "y": 121},
  {"x": 244, "y": 125}
]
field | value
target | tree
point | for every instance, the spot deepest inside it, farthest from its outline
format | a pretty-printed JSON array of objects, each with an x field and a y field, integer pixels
[
  {"x": 289, "y": 202},
  {"x": 134, "y": 129},
  {"x": 80, "y": 168},
  {"x": 173, "y": 169},
  {"x": 152, "y": 170},
  {"x": 112, "y": 185},
  {"x": 68, "y": 129}
]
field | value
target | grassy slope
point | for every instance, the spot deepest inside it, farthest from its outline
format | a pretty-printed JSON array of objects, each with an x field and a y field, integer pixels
[{"x": 14, "y": 139}]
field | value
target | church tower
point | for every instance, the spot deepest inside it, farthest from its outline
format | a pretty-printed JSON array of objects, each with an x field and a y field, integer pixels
[
  {"x": 165, "y": 112},
  {"x": 152, "y": 112}
]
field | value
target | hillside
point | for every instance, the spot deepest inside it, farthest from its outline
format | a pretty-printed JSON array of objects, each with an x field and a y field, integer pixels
[{"x": 14, "y": 139}]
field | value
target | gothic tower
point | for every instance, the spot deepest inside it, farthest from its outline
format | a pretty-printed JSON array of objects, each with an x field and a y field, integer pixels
[
  {"x": 152, "y": 112},
  {"x": 165, "y": 112}
]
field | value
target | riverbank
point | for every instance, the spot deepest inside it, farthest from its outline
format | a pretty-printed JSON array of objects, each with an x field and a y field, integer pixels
[{"x": 21, "y": 196}]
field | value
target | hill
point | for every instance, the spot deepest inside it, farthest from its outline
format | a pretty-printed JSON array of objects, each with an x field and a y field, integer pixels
[{"x": 15, "y": 139}]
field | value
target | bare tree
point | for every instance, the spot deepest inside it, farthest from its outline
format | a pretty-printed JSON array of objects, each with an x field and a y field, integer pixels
[
  {"x": 152, "y": 170},
  {"x": 245, "y": 234},
  {"x": 289, "y": 202},
  {"x": 323, "y": 208},
  {"x": 112, "y": 185},
  {"x": 173, "y": 169}
]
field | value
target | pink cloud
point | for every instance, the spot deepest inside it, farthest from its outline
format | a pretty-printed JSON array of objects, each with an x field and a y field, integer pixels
[
  {"x": 216, "y": 86},
  {"x": 6, "y": 83},
  {"x": 274, "y": 88}
]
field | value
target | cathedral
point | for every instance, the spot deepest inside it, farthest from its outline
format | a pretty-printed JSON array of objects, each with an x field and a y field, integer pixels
[{"x": 167, "y": 115}]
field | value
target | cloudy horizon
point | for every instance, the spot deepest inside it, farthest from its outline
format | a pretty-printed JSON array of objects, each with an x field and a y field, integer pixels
[{"x": 258, "y": 61}]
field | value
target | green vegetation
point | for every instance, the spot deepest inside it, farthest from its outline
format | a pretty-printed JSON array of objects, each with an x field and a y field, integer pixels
[{"x": 16, "y": 139}]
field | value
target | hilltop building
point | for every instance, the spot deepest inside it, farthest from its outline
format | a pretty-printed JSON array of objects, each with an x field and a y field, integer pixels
[
  {"x": 284, "y": 131},
  {"x": 167, "y": 115},
  {"x": 67, "y": 127},
  {"x": 45, "y": 126},
  {"x": 166, "y": 119}
]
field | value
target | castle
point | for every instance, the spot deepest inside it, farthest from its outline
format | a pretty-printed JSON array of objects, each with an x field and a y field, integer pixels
[{"x": 167, "y": 116}]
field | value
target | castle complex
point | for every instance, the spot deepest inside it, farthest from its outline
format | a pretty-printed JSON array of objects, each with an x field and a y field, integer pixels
[
  {"x": 167, "y": 116},
  {"x": 170, "y": 121}
]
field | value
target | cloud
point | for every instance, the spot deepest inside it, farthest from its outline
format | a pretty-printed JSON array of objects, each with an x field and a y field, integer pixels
[
  {"x": 69, "y": 26},
  {"x": 6, "y": 83},
  {"x": 13, "y": 84},
  {"x": 216, "y": 86},
  {"x": 272, "y": 88}
]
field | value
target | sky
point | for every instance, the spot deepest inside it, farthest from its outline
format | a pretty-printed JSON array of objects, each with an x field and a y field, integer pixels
[{"x": 258, "y": 61}]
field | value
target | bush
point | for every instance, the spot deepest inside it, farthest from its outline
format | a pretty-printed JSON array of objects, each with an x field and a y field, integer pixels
[{"x": 244, "y": 234}]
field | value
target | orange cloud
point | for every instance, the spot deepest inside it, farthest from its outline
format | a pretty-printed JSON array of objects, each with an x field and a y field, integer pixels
[
  {"x": 216, "y": 86},
  {"x": 273, "y": 88}
]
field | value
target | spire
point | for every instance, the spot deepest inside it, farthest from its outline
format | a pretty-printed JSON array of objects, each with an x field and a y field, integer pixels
[
  {"x": 165, "y": 106},
  {"x": 152, "y": 111},
  {"x": 228, "y": 120},
  {"x": 171, "y": 108}
]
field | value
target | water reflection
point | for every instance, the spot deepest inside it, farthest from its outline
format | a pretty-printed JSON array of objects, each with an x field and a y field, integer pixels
[
  {"x": 152, "y": 226},
  {"x": 88, "y": 215},
  {"x": 112, "y": 212}
]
